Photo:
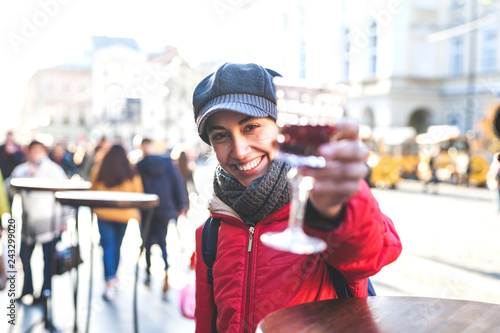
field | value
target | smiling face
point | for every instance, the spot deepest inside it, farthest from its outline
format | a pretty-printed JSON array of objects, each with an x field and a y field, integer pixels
[{"x": 244, "y": 146}]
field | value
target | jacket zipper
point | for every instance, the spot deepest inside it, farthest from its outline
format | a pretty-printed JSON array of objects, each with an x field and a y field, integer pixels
[
  {"x": 251, "y": 231},
  {"x": 247, "y": 324}
]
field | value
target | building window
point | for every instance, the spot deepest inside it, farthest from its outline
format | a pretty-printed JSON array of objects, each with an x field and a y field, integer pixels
[
  {"x": 489, "y": 54},
  {"x": 372, "y": 48},
  {"x": 457, "y": 56},
  {"x": 347, "y": 53}
]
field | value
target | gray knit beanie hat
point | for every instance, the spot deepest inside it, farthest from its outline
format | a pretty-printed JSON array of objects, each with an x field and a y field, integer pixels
[{"x": 243, "y": 88}]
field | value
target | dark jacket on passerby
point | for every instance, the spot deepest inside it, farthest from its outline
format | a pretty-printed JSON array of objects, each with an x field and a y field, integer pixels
[
  {"x": 8, "y": 161},
  {"x": 160, "y": 176}
]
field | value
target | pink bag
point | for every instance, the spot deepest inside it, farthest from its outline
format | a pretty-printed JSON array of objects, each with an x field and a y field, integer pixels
[{"x": 187, "y": 300}]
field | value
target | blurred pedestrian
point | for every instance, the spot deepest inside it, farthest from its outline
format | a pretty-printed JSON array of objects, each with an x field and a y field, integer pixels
[
  {"x": 186, "y": 170},
  {"x": 434, "y": 180},
  {"x": 93, "y": 160},
  {"x": 43, "y": 219},
  {"x": 115, "y": 173},
  {"x": 160, "y": 176},
  {"x": 11, "y": 155},
  {"x": 60, "y": 155},
  {"x": 493, "y": 179}
]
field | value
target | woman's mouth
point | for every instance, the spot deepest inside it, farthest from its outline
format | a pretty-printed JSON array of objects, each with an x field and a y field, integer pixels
[{"x": 250, "y": 165}]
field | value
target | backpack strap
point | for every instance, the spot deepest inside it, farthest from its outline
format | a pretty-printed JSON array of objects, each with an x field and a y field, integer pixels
[
  {"x": 209, "y": 239},
  {"x": 340, "y": 284},
  {"x": 338, "y": 281},
  {"x": 371, "y": 290}
]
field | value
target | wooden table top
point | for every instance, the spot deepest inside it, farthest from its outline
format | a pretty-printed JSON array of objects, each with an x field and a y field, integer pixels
[
  {"x": 107, "y": 199},
  {"x": 385, "y": 314},
  {"x": 48, "y": 184}
]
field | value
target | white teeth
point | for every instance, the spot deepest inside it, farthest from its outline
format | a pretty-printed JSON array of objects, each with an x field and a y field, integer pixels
[{"x": 249, "y": 166}]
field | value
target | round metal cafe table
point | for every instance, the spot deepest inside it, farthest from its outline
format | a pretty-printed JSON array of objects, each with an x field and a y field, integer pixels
[
  {"x": 109, "y": 199},
  {"x": 385, "y": 314},
  {"x": 48, "y": 185}
]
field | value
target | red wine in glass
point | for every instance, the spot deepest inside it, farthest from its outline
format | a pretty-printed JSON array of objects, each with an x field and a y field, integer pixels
[{"x": 304, "y": 140}]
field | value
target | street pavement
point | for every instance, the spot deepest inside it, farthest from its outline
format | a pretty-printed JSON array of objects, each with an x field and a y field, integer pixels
[
  {"x": 450, "y": 242},
  {"x": 450, "y": 250}
]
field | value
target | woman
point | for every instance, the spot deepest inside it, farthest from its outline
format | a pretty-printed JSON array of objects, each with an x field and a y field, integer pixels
[
  {"x": 114, "y": 174},
  {"x": 235, "y": 111}
]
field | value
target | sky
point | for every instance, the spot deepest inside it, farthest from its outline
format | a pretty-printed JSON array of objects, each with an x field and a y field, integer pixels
[{"x": 39, "y": 34}]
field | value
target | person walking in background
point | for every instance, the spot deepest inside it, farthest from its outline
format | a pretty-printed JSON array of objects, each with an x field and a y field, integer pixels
[
  {"x": 64, "y": 158},
  {"x": 187, "y": 172},
  {"x": 93, "y": 160},
  {"x": 235, "y": 113},
  {"x": 11, "y": 155},
  {"x": 43, "y": 219},
  {"x": 115, "y": 173},
  {"x": 493, "y": 179},
  {"x": 434, "y": 180},
  {"x": 160, "y": 176}
]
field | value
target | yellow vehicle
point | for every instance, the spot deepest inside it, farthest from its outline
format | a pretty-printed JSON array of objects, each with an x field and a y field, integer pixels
[
  {"x": 478, "y": 170},
  {"x": 455, "y": 162},
  {"x": 386, "y": 155}
]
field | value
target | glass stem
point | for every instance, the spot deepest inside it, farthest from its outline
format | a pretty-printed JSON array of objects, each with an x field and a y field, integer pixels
[{"x": 301, "y": 186}]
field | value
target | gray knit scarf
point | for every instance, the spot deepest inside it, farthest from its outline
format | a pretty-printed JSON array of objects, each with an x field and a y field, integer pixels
[{"x": 262, "y": 197}]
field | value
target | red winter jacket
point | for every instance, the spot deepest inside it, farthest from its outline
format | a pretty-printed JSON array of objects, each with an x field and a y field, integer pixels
[{"x": 252, "y": 280}]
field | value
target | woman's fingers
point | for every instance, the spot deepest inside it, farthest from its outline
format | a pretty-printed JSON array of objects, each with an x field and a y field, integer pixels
[
  {"x": 347, "y": 129},
  {"x": 345, "y": 167},
  {"x": 336, "y": 172}
]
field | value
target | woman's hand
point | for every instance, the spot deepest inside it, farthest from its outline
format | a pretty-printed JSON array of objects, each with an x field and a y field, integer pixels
[{"x": 345, "y": 167}]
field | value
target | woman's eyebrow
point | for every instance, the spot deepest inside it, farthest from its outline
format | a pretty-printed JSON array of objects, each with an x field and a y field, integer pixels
[
  {"x": 244, "y": 120},
  {"x": 241, "y": 122},
  {"x": 213, "y": 128}
]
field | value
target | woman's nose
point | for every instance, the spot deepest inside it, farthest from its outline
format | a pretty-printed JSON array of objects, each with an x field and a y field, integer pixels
[{"x": 240, "y": 147}]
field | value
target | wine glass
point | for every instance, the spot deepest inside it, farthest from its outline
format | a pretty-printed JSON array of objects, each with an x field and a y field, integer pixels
[{"x": 307, "y": 115}]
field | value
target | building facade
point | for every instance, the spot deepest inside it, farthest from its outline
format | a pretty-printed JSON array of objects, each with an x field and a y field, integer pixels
[
  {"x": 58, "y": 102},
  {"x": 120, "y": 93},
  {"x": 420, "y": 63},
  {"x": 407, "y": 63}
]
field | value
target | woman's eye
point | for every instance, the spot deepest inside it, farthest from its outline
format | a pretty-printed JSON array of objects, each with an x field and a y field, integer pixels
[
  {"x": 218, "y": 136},
  {"x": 251, "y": 127}
]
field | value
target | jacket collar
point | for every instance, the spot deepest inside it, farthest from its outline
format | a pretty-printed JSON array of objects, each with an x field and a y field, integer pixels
[{"x": 218, "y": 208}]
